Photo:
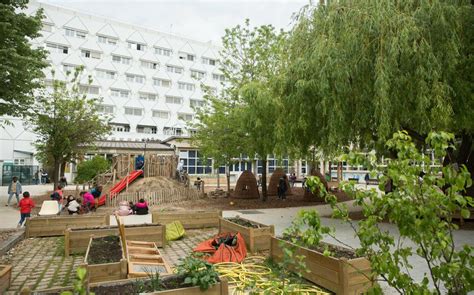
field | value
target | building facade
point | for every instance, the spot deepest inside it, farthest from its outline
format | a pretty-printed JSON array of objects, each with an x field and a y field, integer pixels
[{"x": 149, "y": 81}]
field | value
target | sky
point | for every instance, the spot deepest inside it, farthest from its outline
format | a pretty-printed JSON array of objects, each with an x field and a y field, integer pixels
[{"x": 202, "y": 20}]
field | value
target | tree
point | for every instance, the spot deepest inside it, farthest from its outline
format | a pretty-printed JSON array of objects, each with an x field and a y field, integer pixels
[
  {"x": 89, "y": 169},
  {"x": 20, "y": 65},
  {"x": 359, "y": 71},
  {"x": 250, "y": 60},
  {"x": 421, "y": 209},
  {"x": 66, "y": 122}
]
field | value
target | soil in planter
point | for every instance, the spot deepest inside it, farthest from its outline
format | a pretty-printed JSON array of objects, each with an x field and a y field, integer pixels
[
  {"x": 243, "y": 222},
  {"x": 140, "y": 286},
  {"x": 105, "y": 250},
  {"x": 336, "y": 251}
]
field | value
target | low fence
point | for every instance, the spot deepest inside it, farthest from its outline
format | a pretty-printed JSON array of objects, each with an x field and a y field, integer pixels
[{"x": 161, "y": 196}]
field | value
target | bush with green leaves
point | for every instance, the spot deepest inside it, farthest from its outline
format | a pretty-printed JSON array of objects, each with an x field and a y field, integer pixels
[
  {"x": 198, "y": 272},
  {"x": 81, "y": 284},
  {"x": 422, "y": 205},
  {"x": 89, "y": 169}
]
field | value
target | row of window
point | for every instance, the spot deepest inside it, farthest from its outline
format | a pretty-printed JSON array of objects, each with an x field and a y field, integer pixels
[
  {"x": 147, "y": 129},
  {"x": 132, "y": 45},
  {"x": 131, "y": 111}
]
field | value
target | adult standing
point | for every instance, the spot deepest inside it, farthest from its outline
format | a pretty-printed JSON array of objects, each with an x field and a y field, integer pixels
[
  {"x": 14, "y": 189},
  {"x": 44, "y": 176},
  {"x": 282, "y": 188}
]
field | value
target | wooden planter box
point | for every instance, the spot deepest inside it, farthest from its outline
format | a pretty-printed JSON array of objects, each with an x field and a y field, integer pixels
[
  {"x": 221, "y": 288},
  {"x": 105, "y": 272},
  {"x": 55, "y": 226},
  {"x": 5, "y": 277},
  {"x": 76, "y": 240},
  {"x": 189, "y": 219},
  {"x": 340, "y": 275},
  {"x": 256, "y": 239}
]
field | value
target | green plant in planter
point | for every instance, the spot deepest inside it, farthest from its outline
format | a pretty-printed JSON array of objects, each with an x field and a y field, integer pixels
[
  {"x": 81, "y": 286},
  {"x": 197, "y": 272},
  {"x": 420, "y": 205}
]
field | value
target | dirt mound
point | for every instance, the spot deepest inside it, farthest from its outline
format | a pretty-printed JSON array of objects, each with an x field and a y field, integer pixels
[{"x": 152, "y": 184}]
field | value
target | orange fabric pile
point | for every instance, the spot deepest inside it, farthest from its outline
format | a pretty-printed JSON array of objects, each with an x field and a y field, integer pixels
[{"x": 220, "y": 250}]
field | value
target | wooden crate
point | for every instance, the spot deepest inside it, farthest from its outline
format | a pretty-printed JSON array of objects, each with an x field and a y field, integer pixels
[
  {"x": 256, "y": 239},
  {"x": 145, "y": 258},
  {"x": 105, "y": 272},
  {"x": 189, "y": 219},
  {"x": 55, "y": 226},
  {"x": 76, "y": 240},
  {"x": 340, "y": 275},
  {"x": 5, "y": 277}
]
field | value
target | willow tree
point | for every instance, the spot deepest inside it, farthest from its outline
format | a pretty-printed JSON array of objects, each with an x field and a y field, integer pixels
[{"x": 361, "y": 70}]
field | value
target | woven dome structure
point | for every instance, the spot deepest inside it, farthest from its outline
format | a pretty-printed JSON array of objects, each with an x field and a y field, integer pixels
[
  {"x": 274, "y": 179},
  {"x": 308, "y": 194},
  {"x": 246, "y": 187}
]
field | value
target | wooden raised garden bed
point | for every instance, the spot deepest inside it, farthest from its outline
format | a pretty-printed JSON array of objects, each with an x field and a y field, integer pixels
[
  {"x": 55, "y": 226},
  {"x": 76, "y": 240},
  {"x": 105, "y": 259},
  {"x": 5, "y": 277},
  {"x": 256, "y": 235},
  {"x": 189, "y": 219},
  {"x": 340, "y": 275},
  {"x": 145, "y": 258}
]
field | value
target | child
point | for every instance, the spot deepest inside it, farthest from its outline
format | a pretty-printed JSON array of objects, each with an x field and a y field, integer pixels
[
  {"x": 88, "y": 201},
  {"x": 73, "y": 206},
  {"x": 26, "y": 204},
  {"x": 124, "y": 209},
  {"x": 141, "y": 207},
  {"x": 57, "y": 195}
]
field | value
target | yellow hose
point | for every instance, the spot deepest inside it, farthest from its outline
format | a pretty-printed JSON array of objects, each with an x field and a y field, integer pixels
[{"x": 252, "y": 275}]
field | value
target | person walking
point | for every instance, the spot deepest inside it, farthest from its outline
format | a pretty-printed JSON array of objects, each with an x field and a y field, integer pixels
[
  {"x": 282, "y": 188},
  {"x": 14, "y": 189},
  {"x": 26, "y": 204}
]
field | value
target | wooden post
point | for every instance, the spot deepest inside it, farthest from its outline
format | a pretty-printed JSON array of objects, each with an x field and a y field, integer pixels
[{"x": 343, "y": 277}]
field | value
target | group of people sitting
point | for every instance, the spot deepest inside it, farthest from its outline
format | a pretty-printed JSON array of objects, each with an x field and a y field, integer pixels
[
  {"x": 140, "y": 208},
  {"x": 86, "y": 202}
]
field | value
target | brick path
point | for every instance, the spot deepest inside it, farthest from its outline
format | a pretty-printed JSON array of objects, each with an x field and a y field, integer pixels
[{"x": 40, "y": 263}]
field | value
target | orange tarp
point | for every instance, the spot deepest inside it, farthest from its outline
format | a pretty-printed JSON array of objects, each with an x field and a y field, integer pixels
[{"x": 221, "y": 251}]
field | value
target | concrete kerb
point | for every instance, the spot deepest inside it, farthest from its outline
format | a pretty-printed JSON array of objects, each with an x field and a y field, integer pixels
[{"x": 12, "y": 241}]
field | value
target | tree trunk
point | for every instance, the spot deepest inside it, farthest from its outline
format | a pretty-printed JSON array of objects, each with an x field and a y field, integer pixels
[
  {"x": 56, "y": 170},
  {"x": 227, "y": 175},
  {"x": 63, "y": 168},
  {"x": 264, "y": 180}
]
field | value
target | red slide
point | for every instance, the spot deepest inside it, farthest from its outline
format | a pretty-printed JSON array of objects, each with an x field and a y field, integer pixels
[{"x": 121, "y": 185}]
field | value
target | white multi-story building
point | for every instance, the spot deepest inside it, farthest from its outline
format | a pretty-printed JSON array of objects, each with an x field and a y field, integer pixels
[{"x": 149, "y": 81}]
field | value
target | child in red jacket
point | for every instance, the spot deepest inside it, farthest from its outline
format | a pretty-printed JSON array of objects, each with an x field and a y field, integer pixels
[{"x": 26, "y": 204}]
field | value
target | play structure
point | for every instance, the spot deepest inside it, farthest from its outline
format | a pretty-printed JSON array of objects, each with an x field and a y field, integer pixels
[
  {"x": 120, "y": 186},
  {"x": 274, "y": 179},
  {"x": 246, "y": 186},
  {"x": 308, "y": 194}
]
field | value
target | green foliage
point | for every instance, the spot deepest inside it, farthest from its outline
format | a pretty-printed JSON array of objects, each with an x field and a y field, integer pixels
[
  {"x": 80, "y": 285},
  {"x": 197, "y": 272},
  {"x": 421, "y": 209},
  {"x": 89, "y": 169},
  {"x": 360, "y": 70},
  {"x": 66, "y": 122},
  {"x": 20, "y": 65}
]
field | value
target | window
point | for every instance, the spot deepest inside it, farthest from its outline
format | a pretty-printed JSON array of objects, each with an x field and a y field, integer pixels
[
  {"x": 160, "y": 114},
  {"x": 90, "y": 54},
  {"x": 137, "y": 46},
  {"x": 304, "y": 169},
  {"x": 89, "y": 89},
  {"x": 218, "y": 77},
  {"x": 149, "y": 64},
  {"x": 186, "y": 56},
  {"x": 193, "y": 163},
  {"x": 172, "y": 131},
  {"x": 107, "y": 40},
  {"x": 209, "y": 61},
  {"x": 174, "y": 99},
  {"x": 185, "y": 117},
  {"x": 47, "y": 27},
  {"x": 146, "y": 129},
  {"x": 135, "y": 78},
  {"x": 105, "y": 74},
  {"x": 121, "y": 59},
  {"x": 120, "y": 127},
  {"x": 75, "y": 33},
  {"x": 69, "y": 68},
  {"x": 119, "y": 93},
  {"x": 133, "y": 111},
  {"x": 57, "y": 48},
  {"x": 197, "y": 74},
  {"x": 162, "y": 82},
  {"x": 196, "y": 103},
  {"x": 106, "y": 109},
  {"x": 163, "y": 51},
  {"x": 174, "y": 69},
  {"x": 186, "y": 86},
  {"x": 147, "y": 96}
]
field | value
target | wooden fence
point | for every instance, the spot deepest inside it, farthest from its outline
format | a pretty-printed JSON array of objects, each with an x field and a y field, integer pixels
[
  {"x": 156, "y": 165},
  {"x": 161, "y": 196}
]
